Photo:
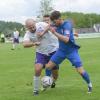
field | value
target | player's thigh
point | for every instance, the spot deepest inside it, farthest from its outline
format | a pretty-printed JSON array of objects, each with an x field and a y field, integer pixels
[
  {"x": 38, "y": 67},
  {"x": 40, "y": 59},
  {"x": 58, "y": 57},
  {"x": 75, "y": 59},
  {"x": 50, "y": 65},
  {"x": 55, "y": 67}
]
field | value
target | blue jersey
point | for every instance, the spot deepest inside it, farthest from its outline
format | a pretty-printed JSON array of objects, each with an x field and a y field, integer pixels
[
  {"x": 67, "y": 50},
  {"x": 66, "y": 29}
]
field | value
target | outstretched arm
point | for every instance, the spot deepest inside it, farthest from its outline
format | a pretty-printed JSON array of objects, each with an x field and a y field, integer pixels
[{"x": 28, "y": 44}]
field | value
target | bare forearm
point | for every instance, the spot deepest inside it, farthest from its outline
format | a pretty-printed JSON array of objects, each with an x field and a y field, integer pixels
[
  {"x": 61, "y": 37},
  {"x": 28, "y": 44}
]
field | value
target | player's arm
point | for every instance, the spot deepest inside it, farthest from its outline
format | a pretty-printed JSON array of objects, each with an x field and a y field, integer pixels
[
  {"x": 76, "y": 34},
  {"x": 64, "y": 38},
  {"x": 28, "y": 44}
]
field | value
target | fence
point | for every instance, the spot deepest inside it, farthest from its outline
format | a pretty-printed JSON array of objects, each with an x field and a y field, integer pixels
[{"x": 89, "y": 35}]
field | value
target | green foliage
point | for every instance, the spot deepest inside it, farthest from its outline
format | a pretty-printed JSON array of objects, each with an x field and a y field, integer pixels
[
  {"x": 8, "y": 27},
  {"x": 81, "y": 20},
  {"x": 46, "y": 7}
]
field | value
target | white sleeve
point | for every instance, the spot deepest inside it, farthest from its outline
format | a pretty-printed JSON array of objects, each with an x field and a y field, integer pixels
[
  {"x": 26, "y": 37},
  {"x": 40, "y": 26}
]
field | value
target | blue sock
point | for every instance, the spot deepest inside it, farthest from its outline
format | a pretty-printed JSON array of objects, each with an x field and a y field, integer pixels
[
  {"x": 86, "y": 77},
  {"x": 48, "y": 72}
]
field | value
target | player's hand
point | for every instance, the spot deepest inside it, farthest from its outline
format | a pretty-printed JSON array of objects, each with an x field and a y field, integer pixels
[
  {"x": 48, "y": 26},
  {"x": 37, "y": 43},
  {"x": 52, "y": 29},
  {"x": 39, "y": 34}
]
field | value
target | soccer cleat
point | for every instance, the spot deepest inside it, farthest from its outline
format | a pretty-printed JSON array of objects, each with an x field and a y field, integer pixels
[
  {"x": 53, "y": 85},
  {"x": 35, "y": 93},
  {"x": 89, "y": 89}
]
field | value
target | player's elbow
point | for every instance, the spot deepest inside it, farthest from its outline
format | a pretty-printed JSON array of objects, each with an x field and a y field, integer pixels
[
  {"x": 66, "y": 40},
  {"x": 24, "y": 45},
  {"x": 76, "y": 34}
]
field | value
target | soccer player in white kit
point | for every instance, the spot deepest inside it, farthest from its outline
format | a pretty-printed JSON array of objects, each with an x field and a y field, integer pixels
[
  {"x": 46, "y": 45},
  {"x": 15, "y": 39}
]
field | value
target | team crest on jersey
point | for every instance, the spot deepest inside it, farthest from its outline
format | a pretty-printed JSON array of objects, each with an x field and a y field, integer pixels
[
  {"x": 66, "y": 32},
  {"x": 40, "y": 29}
]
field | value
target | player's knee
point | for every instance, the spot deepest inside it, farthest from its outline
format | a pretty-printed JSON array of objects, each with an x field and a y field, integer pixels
[
  {"x": 50, "y": 65},
  {"x": 80, "y": 70},
  {"x": 37, "y": 69}
]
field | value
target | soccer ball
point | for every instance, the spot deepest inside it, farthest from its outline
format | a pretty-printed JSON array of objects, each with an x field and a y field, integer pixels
[{"x": 46, "y": 81}]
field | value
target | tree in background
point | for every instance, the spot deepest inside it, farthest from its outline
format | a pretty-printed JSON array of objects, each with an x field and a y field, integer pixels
[
  {"x": 8, "y": 27},
  {"x": 45, "y": 7}
]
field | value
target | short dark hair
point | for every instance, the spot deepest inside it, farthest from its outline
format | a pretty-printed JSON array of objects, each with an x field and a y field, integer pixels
[
  {"x": 46, "y": 15},
  {"x": 55, "y": 15}
]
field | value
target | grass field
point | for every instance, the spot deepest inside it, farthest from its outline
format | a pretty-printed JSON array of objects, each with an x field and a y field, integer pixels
[{"x": 16, "y": 72}]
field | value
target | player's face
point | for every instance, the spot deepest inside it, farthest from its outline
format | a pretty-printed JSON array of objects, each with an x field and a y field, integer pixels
[
  {"x": 46, "y": 19},
  {"x": 31, "y": 27},
  {"x": 57, "y": 22}
]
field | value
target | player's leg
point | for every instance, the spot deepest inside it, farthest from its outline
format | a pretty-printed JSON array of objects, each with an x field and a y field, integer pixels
[
  {"x": 49, "y": 66},
  {"x": 85, "y": 76},
  {"x": 55, "y": 60},
  {"x": 39, "y": 61},
  {"x": 55, "y": 74},
  {"x": 14, "y": 44},
  {"x": 76, "y": 61},
  {"x": 17, "y": 43},
  {"x": 53, "y": 63},
  {"x": 36, "y": 79},
  {"x": 47, "y": 71}
]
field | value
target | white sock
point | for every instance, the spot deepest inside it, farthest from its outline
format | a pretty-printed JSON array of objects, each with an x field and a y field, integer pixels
[
  {"x": 13, "y": 46},
  {"x": 90, "y": 84},
  {"x": 36, "y": 81}
]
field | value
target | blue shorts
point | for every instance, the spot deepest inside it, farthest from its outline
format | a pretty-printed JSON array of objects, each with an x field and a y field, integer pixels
[
  {"x": 73, "y": 57},
  {"x": 44, "y": 59}
]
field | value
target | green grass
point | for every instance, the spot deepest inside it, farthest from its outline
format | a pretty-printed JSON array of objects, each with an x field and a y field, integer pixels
[{"x": 16, "y": 73}]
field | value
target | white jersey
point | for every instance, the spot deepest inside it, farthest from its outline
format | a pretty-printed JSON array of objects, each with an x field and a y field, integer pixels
[
  {"x": 48, "y": 42},
  {"x": 16, "y": 34}
]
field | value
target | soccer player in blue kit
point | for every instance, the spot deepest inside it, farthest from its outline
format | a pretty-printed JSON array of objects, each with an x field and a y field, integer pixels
[{"x": 68, "y": 49}]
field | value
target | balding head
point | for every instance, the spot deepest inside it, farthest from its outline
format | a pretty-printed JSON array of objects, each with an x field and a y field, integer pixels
[{"x": 30, "y": 25}]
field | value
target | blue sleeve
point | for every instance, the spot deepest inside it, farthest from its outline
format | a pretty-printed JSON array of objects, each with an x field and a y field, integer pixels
[{"x": 67, "y": 29}]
